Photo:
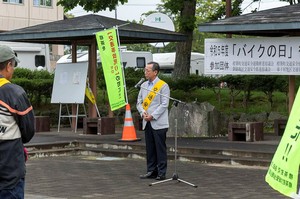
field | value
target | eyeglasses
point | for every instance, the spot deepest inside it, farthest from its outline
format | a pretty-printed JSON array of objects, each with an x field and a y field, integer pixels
[{"x": 148, "y": 71}]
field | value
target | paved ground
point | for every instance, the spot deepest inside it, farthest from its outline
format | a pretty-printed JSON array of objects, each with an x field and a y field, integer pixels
[
  {"x": 95, "y": 177},
  {"x": 104, "y": 177}
]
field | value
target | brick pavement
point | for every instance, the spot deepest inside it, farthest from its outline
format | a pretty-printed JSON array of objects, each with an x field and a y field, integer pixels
[{"x": 94, "y": 177}]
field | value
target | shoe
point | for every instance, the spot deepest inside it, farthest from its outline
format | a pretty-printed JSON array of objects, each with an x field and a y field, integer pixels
[
  {"x": 150, "y": 174},
  {"x": 162, "y": 177}
]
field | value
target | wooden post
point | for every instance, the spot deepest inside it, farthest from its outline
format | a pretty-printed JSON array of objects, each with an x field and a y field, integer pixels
[
  {"x": 228, "y": 14},
  {"x": 228, "y": 8},
  {"x": 291, "y": 91},
  {"x": 74, "y": 107},
  {"x": 93, "y": 76}
]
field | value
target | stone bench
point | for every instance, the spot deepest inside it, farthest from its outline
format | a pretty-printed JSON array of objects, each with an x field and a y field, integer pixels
[
  {"x": 245, "y": 131},
  {"x": 100, "y": 126},
  {"x": 279, "y": 126},
  {"x": 42, "y": 123}
]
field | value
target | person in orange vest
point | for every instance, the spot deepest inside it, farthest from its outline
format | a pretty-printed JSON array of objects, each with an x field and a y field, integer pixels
[
  {"x": 152, "y": 104},
  {"x": 16, "y": 128}
]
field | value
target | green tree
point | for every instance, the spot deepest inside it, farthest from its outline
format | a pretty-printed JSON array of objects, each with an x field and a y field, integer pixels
[
  {"x": 88, "y": 5},
  {"x": 184, "y": 9},
  {"x": 186, "y": 20},
  {"x": 187, "y": 14},
  {"x": 205, "y": 10}
]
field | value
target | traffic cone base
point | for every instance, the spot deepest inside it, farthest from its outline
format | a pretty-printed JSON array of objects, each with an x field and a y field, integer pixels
[{"x": 129, "y": 133}]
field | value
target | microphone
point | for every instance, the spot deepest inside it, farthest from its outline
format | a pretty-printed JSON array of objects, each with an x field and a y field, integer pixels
[{"x": 139, "y": 83}]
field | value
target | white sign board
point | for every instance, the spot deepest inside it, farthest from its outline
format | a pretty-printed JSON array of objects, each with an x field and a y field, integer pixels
[
  {"x": 253, "y": 56},
  {"x": 162, "y": 21},
  {"x": 69, "y": 83}
]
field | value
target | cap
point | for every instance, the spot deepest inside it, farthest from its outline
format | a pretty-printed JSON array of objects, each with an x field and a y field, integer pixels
[{"x": 6, "y": 53}]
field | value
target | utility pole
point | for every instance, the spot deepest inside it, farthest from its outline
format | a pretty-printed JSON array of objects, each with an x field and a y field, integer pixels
[
  {"x": 228, "y": 13},
  {"x": 116, "y": 12}
]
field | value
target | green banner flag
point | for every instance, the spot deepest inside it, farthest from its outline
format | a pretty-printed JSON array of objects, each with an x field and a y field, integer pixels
[
  {"x": 110, "y": 57},
  {"x": 283, "y": 171}
]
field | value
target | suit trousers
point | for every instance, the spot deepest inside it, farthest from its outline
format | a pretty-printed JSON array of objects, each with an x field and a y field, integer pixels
[
  {"x": 156, "y": 149},
  {"x": 15, "y": 193}
]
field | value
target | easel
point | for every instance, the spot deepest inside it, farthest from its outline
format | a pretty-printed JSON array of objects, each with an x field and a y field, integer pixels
[
  {"x": 69, "y": 89},
  {"x": 70, "y": 116}
]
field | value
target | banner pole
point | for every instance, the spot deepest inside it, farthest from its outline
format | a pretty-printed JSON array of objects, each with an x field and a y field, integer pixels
[{"x": 121, "y": 60}]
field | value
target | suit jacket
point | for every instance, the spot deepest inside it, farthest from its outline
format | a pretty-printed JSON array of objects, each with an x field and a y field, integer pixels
[{"x": 158, "y": 107}]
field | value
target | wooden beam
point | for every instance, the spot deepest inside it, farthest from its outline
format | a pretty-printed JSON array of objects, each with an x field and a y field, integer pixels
[
  {"x": 291, "y": 91},
  {"x": 228, "y": 14},
  {"x": 74, "y": 107},
  {"x": 92, "y": 74}
]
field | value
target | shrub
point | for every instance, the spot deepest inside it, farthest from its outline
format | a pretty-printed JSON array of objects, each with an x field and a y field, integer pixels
[{"x": 37, "y": 84}]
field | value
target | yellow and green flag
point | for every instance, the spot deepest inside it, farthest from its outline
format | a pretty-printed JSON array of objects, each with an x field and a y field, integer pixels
[
  {"x": 283, "y": 171},
  {"x": 89, "y": 94},
  {"x": 110, "y": 57}
]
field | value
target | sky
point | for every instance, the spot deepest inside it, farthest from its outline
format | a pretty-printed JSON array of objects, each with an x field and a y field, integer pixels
[
  {"x": 134, "y": 9},
  {"x": 247, "y": 5}
]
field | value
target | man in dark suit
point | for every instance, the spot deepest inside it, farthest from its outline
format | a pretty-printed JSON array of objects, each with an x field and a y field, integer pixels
[{"x": 152, "y": 104}]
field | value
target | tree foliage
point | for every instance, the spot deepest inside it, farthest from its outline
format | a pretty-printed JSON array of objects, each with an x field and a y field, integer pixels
[
  {"x": 220, "y": 11},
  {"x": 186, "y": 14},
  {"x": 185, "y": 21},
  {"x": 184, "y": 11},
  {"x": 90, "y": 5}
]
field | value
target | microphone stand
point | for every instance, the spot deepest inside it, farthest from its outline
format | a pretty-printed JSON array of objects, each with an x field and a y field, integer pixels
[{"x": 175, "y": 175}]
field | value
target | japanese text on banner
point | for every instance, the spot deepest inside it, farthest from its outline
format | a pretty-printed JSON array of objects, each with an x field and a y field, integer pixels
[
  {"x": 112, "y": 69},
  {"x": 283, "y": 171},
  {"x": 252, "y": 56}
]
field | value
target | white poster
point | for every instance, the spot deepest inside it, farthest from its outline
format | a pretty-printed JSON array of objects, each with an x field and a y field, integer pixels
[
  {"x": 253, "y": 56},
  {"x": 69, "y": 83}
]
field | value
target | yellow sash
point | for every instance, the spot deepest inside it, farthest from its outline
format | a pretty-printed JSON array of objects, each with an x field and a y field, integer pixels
[
  {"x": 3, "y": 81},
  {"x": 147, "y": 101}
]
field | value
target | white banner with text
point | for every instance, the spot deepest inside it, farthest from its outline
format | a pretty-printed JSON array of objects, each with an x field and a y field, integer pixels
[{"x": 252, "y": 56}]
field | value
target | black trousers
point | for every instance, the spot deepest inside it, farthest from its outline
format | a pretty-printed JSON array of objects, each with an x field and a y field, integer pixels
[{"x": 156, "y": 149}]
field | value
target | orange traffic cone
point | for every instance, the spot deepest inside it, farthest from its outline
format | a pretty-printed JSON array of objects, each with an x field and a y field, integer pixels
[{"x": 129, "y": 133}]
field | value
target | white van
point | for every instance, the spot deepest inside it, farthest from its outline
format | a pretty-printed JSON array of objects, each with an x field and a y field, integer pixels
[
  {"x": 134, "y": 59},
  {"x": 31, "y": 55},
  {"x": 167, "y": 62}
]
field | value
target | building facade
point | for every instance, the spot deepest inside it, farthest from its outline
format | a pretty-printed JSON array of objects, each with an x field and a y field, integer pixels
[{"x": 16, "y": 14}]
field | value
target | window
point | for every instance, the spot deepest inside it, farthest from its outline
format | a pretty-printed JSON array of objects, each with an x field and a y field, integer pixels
[
  {"x": 42, "y": 2},
  {"x": 140, "y": 62},
  {"x": 40, "y": 60},
  {"x": 13, "y": 1}
]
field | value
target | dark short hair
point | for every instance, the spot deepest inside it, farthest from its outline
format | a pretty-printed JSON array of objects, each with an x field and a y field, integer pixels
[
  {"x": 4, "y": 64},
  {"x": 155, "y": 66}
]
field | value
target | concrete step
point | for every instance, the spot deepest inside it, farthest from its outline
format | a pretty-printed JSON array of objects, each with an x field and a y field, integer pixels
[
  {"x": 183, "y": 150},
  {"x": 133, "y": 150}
]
